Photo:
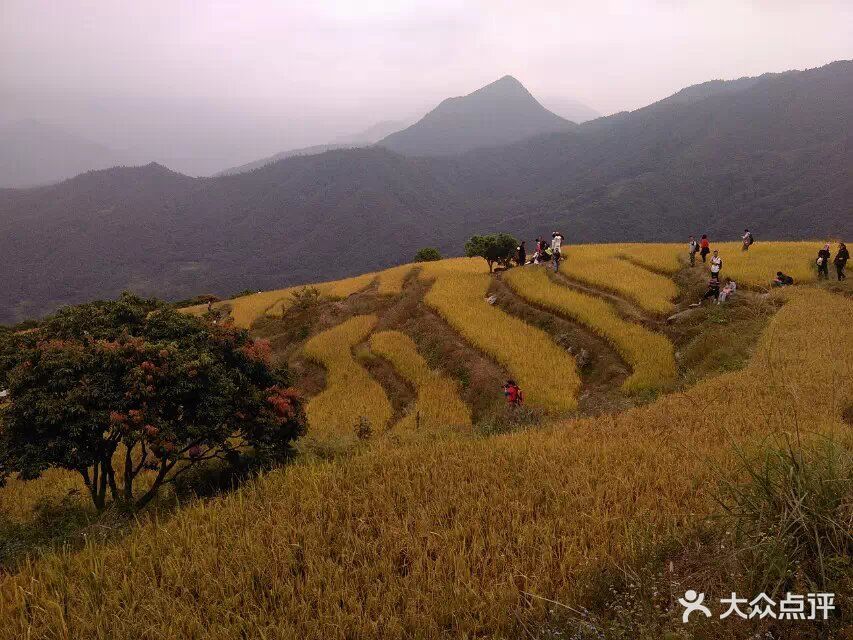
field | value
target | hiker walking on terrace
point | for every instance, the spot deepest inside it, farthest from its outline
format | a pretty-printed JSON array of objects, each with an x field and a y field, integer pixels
[
  {"x": 823, "y": 262},
  {"x": 556, "y": 246},
  {"x": 841, "y": 258},
  {"x": 747, "y": 240},
  {"x": 693, "y": 249},
  {"x": 716, "y": 264},
  {"x": 704, "y": 247}
]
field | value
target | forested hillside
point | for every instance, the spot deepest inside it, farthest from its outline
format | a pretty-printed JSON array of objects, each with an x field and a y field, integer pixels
[{"x": 773, "y": 155}]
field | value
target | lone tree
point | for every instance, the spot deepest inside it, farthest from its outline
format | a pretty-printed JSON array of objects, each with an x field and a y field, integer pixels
[
  {"x": 113, "y": 390},
  {"x": 427, "y": 254},
  {"x": 498, "y": 247}
]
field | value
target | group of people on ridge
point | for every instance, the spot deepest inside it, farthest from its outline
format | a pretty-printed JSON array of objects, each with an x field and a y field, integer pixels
[{"x": 545, "y": 251}]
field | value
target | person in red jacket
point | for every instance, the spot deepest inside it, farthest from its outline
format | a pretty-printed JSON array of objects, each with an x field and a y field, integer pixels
[
  {"x": 514, "y": 396},
  {"x": 704, "y": 247}
]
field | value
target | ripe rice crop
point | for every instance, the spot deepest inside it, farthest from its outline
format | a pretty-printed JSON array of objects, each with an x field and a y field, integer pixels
[
  {"x": 758, "y": 266},
  {"x": 546, "y": 373},
  {"x": 456, "y": 538},
  {"x": 350, "y": 393},
  {"x": 599, "y": 265},
  {"x": 391, "y": 280},
  {"x": 438, "y": 404},
  {"x": 650, "y": 354},
  {"x": 663, "y": 257}
]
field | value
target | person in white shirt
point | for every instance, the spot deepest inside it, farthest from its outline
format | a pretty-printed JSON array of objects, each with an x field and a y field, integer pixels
[
  {"x": 747, "y": 239},
  {"x": 556, "y": 249},
  {"x": 716, "y": 264}
]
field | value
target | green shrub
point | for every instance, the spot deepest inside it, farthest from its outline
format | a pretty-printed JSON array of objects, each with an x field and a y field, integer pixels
[{"x": 427, "y": 254}]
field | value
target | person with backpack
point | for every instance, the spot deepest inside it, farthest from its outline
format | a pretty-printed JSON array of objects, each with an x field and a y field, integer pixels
[
  {"x": 823, "y": 262},
  {"x": 704, "y": 247},
  {"x": 521, "y": 254},
  {"x": 556, "y": 246},
  {"x": 692, "y": 249},
  {"x": 841, "y": 258},
  {"x": 747, "y": 240},
  {"x": 782, "y": 280},
  {"x": 716, "y": 264},
  {"x": 513, "y": 394}
]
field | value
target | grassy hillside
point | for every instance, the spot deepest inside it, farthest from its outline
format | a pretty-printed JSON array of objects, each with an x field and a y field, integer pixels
[{"x": 581, "y": 515}]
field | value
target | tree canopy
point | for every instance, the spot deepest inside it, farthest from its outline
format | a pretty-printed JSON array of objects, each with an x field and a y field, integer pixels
[
  {"x": 427, "y": 254},
  {"x": 116, "y": 389},
  {"x": 498, "y": 247}
]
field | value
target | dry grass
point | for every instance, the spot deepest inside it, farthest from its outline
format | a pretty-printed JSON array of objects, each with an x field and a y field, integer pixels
[
  {"x": 351, "y": 393},
  {"x": 545, "y": 372},
  {"x": 438, "y": 404},
  {"x": 599, "y": 265},
  {"x": 650, "y": 354},
  {"x": 443, "y": 539}
]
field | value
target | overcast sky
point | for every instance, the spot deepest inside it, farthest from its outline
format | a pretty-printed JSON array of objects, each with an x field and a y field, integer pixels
[{"x": 264, "y": 73}]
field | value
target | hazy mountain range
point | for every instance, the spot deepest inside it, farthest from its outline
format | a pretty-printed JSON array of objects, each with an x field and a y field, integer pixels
[{"x": 772, "y": 153}]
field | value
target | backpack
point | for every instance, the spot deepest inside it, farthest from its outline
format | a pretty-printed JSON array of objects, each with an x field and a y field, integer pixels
[{"x": 749, "y": 239}]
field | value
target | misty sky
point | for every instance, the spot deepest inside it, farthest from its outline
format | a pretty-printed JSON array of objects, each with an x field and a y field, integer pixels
[{"x": 230, "y": 81}]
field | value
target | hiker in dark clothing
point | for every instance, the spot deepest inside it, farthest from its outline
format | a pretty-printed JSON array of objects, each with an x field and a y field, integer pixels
[
  {"x": 823, "y": 262},
  {"x": 782, "y": 280},
  {"x": 747, "y": 240},
  {"x": 713, "y": 289},
  {"x": 841, "y": 258},
  {"x": 704, "y": 247},
  {"x": 521, "y": 258}
]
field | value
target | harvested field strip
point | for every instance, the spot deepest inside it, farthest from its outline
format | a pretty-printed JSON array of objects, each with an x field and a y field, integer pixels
[
  {"x": 545, "y": 372},
  {"x": 599, "y": 265},
  {"x": 438, "y": 404},
  {"x": 351, "y": 393},
  {"x": 649, "y": 354},
  {"x": 456, "y": 531}
]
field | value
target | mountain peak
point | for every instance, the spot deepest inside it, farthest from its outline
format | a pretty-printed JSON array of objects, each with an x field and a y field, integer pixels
[{"x": 501, "y": 112}]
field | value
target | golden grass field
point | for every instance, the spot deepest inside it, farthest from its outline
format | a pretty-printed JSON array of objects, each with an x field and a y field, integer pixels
[
  {"x": 350, "y": 393},
  {"x": 457, "y": 537},
  {"x": 600, "y": 265},
  {"x": 438, "y": 405},
  {"x": 459, "y": 297},
  {"x": 650, "y": 354}
]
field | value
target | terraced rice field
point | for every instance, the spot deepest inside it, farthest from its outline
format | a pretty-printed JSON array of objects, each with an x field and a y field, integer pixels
[
  {"x": 438, "y": 406},
  {"x": 758, "y": 266},
  {"x": 350, "y": 393},
  {"x": 650, "y": 354},
  {"x": 457, "y": 538},
  {"x": 545, "y": 372},
  {"x": 601, "y": 266}
]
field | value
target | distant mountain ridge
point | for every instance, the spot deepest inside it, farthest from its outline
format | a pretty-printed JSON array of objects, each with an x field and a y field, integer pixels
[
  {"x": 774, "y": 155},
  {"x": 500, "y": 113},
  {"x": 361, "y": 139},
  {"x": 29, "y": 154}
]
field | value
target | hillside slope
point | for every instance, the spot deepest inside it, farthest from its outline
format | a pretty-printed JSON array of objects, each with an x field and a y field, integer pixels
[
  {"x": 499, "y": 113},
  {"x": 775, "y": 156}
]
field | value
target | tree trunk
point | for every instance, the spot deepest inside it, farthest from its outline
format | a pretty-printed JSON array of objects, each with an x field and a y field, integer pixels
[{"x": 161, "y": 475}]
